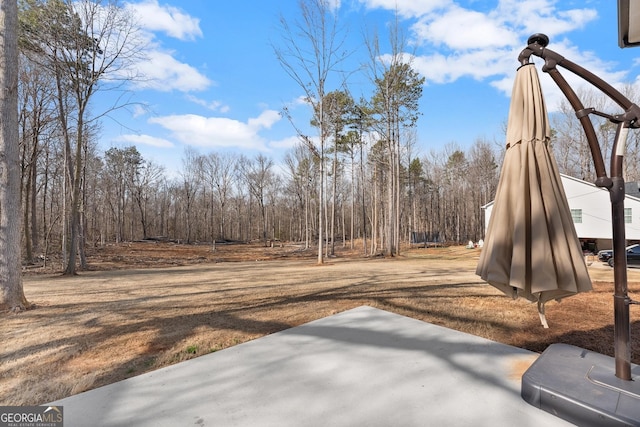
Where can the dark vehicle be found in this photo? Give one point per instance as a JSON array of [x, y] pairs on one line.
[[606, 255], [633, 256]]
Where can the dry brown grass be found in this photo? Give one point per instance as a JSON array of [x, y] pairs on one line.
[[151, 305]]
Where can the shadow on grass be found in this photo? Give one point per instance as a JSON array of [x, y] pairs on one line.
[[204, 305], [599, 340]]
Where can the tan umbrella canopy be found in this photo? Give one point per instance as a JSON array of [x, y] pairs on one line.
[[531, 249]]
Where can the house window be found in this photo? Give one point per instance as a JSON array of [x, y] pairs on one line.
[[576, 215], [627, 216]]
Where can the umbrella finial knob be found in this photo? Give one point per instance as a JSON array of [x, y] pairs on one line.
[[539, 38]]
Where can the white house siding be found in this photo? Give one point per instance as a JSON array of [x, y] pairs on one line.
[[595, 205]]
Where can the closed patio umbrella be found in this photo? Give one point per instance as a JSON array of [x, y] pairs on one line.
[[568, 381], [531, 248]]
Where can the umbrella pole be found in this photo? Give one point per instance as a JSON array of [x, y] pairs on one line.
[[621, 300], [615, 186]]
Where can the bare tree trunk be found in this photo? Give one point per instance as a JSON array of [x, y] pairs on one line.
[[353, 197], [12, 294], [333, 203], [28, 242], [374, 206], [312, 50], [306, 214], [364, 210], [325, 208], [344, 228], [82, 224], [34, 214], [389, 220], [398, 193], [321, 205], [74, 240]]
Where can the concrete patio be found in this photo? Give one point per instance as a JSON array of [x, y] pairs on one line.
[[362, 367]]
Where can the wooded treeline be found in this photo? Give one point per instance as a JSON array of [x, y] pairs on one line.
[[365, 182], [221, 196]]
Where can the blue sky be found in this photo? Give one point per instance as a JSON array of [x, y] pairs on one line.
[[213, 82]]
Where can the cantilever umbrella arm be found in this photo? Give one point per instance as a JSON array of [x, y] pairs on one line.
[[630, 118]]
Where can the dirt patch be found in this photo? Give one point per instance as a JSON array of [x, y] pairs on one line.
[[149, 305]]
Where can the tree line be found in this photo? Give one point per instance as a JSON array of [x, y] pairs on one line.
[[221, 197], [360, 181]]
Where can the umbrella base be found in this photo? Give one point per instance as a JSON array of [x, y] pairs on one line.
[[580, 386]]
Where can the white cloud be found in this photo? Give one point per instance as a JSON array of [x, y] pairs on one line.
[[145, 140], [211, 105], [168, 19], [463, 29], [301, 100], [478, 64], [285, 143], [139, 111], [295, 103], [159, 69], [407, 8], [461, 42], [212, 132], [535, 16], [164, 73], [265, 120]]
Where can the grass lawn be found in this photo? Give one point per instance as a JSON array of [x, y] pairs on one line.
[[149, 305]]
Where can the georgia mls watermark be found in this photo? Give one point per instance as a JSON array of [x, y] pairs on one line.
[[31, 416]]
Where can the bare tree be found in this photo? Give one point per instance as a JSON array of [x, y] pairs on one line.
[[395, 105], [312, 49], [338, 106], [220, 174], [569, 142], [82, 43], [189, 187], [483, 177], [145, 181], [352, 139], [121, 168], [11, 290], [361, 122], [259, 178], [36, 119], [300, 164], [632, 153]]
